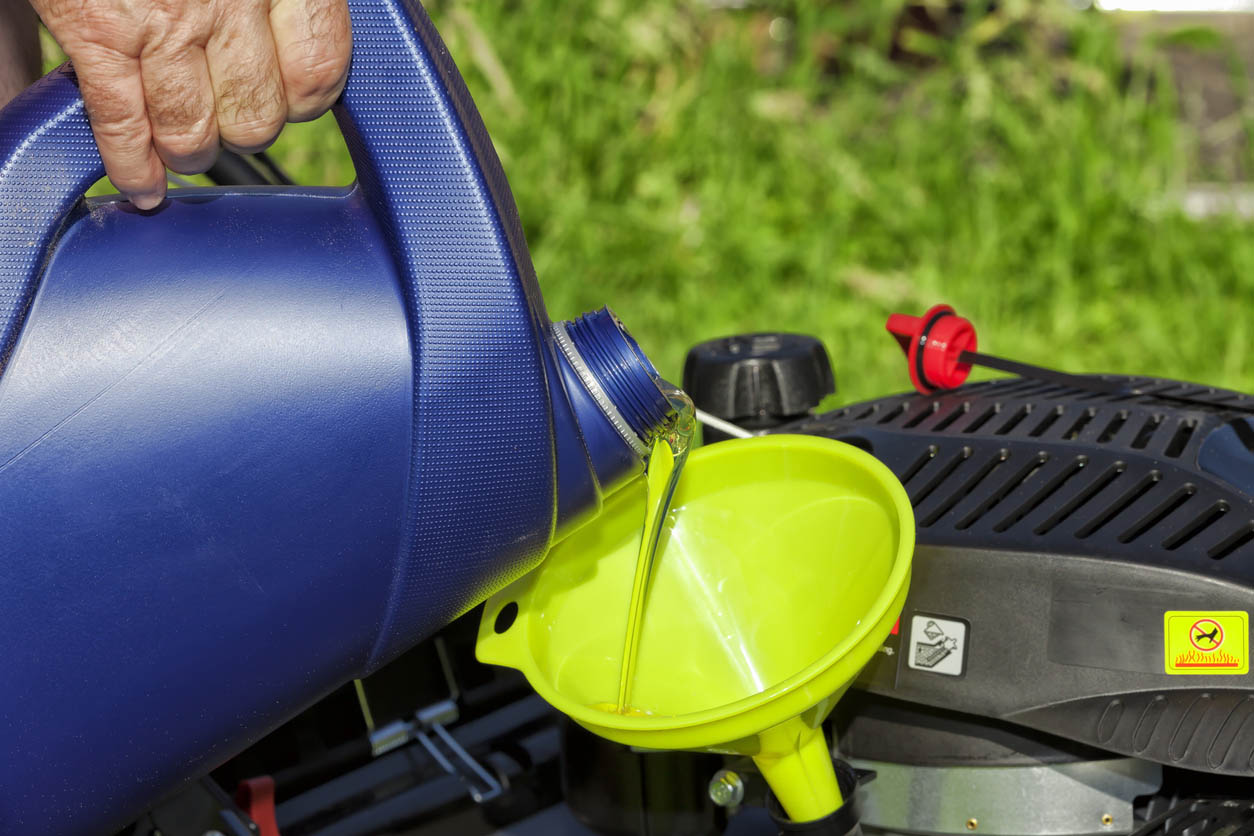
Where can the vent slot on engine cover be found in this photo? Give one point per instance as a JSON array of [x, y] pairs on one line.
[[1026, 464]]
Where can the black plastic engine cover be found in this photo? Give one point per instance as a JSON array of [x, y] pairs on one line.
[[1055, 528], [1203, 817]]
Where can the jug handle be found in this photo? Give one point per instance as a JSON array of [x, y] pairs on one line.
[[423, 160]]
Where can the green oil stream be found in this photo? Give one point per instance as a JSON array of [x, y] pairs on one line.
[[662, 472]]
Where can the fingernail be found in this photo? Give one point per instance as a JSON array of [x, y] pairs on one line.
[[147, 201]]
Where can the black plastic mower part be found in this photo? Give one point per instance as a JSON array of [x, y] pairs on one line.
[[1055, 528], [874, 728], [844, 821], [758, 380], [272, 168], [199, 808], [618, 792], [1203, 817], [231, 169]]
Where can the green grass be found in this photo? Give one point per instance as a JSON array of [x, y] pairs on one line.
[[707, 171]]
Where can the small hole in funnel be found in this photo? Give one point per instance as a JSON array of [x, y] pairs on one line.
[[506, 617]]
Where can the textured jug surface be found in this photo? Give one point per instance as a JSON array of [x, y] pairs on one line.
[[259, 442], [204, 474]]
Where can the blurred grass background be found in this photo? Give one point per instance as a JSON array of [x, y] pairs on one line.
[[708, 168]]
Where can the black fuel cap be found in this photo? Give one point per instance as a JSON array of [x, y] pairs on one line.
[[759, 380]]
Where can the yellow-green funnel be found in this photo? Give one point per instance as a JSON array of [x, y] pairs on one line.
[[783, 568]]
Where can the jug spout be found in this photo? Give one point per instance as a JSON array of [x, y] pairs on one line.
[[611, 404]]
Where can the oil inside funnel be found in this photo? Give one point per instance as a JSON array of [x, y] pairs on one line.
[[781, 569]]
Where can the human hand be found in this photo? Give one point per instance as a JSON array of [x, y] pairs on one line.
[[168, 81]]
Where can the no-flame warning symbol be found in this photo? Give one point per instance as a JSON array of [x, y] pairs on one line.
[[1206, 642]]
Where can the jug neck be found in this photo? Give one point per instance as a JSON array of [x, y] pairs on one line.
[[616, 373], [614, 404]]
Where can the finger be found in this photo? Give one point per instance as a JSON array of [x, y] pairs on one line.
[[314, 43], [247, 85], [180, 102], [114, 96]]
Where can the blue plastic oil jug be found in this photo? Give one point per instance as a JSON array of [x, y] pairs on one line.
[[260, 441]]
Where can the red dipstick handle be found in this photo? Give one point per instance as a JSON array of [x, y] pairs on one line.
[[940, 351], [934, 344]]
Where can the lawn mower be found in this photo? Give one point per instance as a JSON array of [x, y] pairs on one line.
[[1071, 658]]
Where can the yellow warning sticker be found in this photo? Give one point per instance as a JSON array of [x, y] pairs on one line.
[[1206, 642]]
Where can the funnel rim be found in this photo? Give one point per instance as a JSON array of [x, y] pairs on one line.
[[899, 574]]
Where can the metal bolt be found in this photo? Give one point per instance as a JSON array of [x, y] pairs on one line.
[[972, 823], [1107, 819], [727, 789]]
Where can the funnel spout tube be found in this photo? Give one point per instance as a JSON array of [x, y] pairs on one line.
[[797, 764]]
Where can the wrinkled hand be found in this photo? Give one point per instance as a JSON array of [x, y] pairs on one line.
[[168, 81]]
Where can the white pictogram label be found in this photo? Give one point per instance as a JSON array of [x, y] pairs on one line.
[[938, 645]]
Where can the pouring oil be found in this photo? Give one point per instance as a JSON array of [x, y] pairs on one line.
[[666, 462]]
